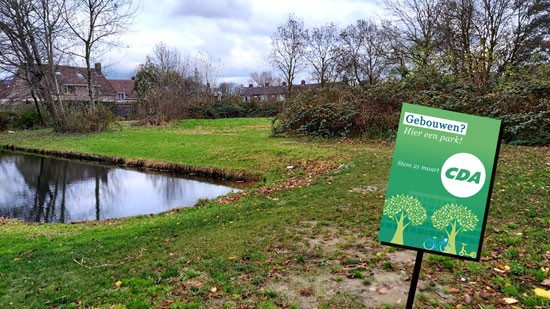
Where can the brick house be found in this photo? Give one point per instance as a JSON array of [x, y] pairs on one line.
[[272, 93], [126, 97], [72, 82], [263, 94], [124, 89]]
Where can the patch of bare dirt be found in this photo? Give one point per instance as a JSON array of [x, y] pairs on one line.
[[343, 270], [310, 291]]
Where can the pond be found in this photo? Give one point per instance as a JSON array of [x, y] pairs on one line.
[[43, 189]]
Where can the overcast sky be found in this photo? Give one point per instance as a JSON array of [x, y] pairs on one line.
[[237, 32]]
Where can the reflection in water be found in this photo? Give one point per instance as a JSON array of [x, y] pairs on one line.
[[42, 189]]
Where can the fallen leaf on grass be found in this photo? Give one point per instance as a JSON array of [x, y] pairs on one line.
[[542, 293], [193, 284], [510, 300], [546, 282], [502, 268], [118, 284]]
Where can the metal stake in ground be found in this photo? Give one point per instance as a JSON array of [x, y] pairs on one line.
[[414, 279]]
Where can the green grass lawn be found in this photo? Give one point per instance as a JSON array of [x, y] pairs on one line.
[[230, 144], [303, 237]]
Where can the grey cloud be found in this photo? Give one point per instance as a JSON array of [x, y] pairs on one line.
[[229, 9]]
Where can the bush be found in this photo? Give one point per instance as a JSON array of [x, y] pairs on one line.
[[325, 112], [261, 109], [232, 107], [19, 120], [520, 100], [227, 110], [79, 119], [379, 110], [28, 119], [7, 120]]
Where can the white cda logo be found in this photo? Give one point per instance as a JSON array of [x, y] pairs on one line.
[[463, 175]]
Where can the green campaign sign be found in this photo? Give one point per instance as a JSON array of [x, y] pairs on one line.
[[440, 181]]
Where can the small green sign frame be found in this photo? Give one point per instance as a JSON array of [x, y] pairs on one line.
[[440, 182]]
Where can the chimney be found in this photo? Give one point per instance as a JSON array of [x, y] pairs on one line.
[[98, 68], [133, 78], [284, 84], [250, 85], [303, 82]]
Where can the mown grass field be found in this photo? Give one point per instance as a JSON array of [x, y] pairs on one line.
[[302, 238]]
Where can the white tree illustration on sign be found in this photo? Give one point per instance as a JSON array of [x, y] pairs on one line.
[[405, 210], [458, 217]]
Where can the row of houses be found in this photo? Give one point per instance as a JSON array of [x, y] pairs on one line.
[[267, 92], [73, 86]]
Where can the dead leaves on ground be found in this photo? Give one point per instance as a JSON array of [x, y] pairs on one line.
[[302, 174]]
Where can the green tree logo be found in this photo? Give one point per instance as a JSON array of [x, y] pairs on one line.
[[401, 208], [458, 217]]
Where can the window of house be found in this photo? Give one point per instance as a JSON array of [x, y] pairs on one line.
[[121, 95], [70, 89], [95, 90]]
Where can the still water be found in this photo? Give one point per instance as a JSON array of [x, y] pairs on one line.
[[43, 189]]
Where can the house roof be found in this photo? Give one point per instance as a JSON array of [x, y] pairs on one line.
[[275, 90], [269, 90], [66, 75], [69, 75], [126, 86]]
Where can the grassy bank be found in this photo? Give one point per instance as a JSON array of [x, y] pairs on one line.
[[230, 145], [304, 238]]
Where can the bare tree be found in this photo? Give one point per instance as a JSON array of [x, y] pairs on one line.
[[170, 59], [49, 13], [395, 50], [322, 53], [418, 22], [288, 49], [229, 88], [164, 84], [528, 40], [20, 52], [264, 78], [208, 68], [95, 23], [483, 37], [29, 31], [458, 28], [476, 40], [363, 52], [490, 28]]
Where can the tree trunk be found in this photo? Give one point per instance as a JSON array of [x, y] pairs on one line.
[[452, 240], [398, 236]]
